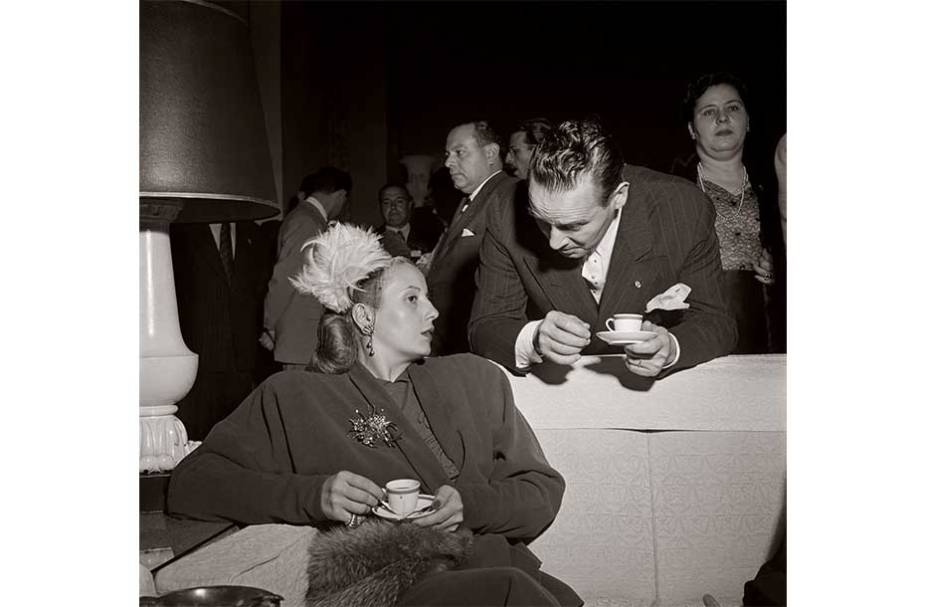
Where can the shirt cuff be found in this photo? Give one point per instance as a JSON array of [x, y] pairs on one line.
[[676, 359], [525, 354]]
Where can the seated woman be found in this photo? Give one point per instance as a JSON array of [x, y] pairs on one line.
[[315, 447]]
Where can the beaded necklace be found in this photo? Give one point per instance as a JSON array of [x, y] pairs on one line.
[[743, 188]]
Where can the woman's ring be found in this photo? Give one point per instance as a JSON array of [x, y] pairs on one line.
[[354, 523]]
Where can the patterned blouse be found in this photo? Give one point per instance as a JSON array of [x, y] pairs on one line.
[[738, 229]]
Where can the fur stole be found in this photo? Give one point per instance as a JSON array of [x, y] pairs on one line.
[[376, 563]]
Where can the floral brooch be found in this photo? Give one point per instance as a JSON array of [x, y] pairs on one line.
[[372, 428]]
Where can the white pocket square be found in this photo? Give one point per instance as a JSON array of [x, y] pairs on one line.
[[673, 298], [466, 232]]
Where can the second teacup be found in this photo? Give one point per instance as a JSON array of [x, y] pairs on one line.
[[402, 495], [622, 323]]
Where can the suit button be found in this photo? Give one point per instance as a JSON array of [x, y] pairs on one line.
[[637, 284]]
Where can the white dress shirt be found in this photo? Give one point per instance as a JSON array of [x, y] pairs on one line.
[[595, 268]]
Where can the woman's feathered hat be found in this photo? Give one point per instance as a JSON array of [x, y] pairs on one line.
[[337, 261]]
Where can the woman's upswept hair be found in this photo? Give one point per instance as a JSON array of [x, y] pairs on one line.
[[573, 149], [339, 337]]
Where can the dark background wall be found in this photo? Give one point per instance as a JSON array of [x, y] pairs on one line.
[[364, 83]]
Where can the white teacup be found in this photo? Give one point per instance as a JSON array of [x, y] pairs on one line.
[[622, 323], [402, 495]]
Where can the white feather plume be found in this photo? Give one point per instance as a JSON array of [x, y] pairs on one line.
[[337, 261]]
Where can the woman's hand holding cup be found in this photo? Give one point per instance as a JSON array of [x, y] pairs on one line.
[[448, 514], [349, 497]]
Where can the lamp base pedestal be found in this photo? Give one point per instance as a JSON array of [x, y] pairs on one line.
[[162, 438]]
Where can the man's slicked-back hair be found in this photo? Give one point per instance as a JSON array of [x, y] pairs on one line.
[[575, 148], [485, 134], [326, 180]]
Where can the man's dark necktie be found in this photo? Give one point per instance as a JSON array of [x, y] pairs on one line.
[[463, 204], [225, 249]]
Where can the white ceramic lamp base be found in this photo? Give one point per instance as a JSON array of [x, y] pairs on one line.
[[167, 368]]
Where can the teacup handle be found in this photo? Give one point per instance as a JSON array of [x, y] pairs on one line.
[[609, 323]]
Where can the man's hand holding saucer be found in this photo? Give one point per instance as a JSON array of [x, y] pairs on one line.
[[649, 357]]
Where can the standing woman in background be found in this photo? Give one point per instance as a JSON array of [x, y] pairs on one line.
[[747, 220]]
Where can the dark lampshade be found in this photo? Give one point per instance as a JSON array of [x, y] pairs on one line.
[[203, 156], [202, 137]]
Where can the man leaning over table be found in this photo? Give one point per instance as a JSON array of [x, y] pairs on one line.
[[598, 237]]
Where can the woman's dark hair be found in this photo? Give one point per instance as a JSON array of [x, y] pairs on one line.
[[700, 84], [339, 337]]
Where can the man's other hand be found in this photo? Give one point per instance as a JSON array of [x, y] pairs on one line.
[[560, 337]]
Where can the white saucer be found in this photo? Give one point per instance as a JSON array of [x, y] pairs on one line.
[[424, 501], [620, 338]]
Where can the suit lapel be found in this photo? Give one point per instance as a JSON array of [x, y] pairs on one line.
[[562, 282], [459, 220], [439, 413], [463, 218], [627, 279], [444, 242]]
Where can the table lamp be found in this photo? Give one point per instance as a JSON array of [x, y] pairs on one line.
[[203, 157]]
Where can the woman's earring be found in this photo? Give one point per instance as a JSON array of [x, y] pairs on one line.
[[368, 331], [369, 345]]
